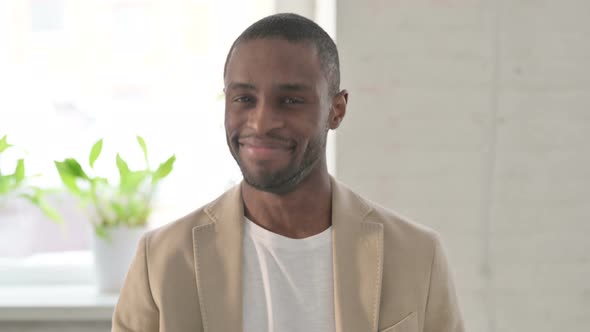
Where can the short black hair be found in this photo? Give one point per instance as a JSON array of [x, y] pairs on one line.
[[296, 28]]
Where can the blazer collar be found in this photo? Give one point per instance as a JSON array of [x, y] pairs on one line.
[[218, 263], [357, 262]]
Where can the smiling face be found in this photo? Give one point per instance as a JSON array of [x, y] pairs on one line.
[[277, 112]]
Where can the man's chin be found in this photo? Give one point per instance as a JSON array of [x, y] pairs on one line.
[[262, 183], [272, 183]]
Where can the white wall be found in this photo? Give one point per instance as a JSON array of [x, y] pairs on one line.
[[473, 117]]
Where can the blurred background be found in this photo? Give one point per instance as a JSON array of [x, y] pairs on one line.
[[471, 117]]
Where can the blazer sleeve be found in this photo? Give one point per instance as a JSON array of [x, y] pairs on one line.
[[442, 308], [136, 310]]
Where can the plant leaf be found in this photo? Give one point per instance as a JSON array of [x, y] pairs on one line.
[[132, 182], [95, 152], [19, 172], [49, 211], [102, 232], [38, 199], [5, 181], [67, 178], [119, 210], [71, 167], [71, 184], [4, 144], [136, 210], [100, 180], [143, 146], [29, 197], [163, 170], [122, 166], [123, 169]]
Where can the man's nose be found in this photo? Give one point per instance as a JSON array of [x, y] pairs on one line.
[[264, 118]]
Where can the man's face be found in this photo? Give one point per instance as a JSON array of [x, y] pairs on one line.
[[276, 112]]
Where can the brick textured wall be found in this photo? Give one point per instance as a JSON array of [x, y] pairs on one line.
[[473, 117]]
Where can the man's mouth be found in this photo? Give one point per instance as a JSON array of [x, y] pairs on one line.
[[265, 149]]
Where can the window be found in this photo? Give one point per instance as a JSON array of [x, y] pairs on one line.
[[76, 71]]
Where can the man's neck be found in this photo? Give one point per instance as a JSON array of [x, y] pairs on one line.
[[304, 212]]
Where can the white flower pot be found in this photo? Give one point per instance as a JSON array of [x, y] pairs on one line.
[[112, 257]]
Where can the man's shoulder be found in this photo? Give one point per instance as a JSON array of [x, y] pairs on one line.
[[179, 227], [403, 237], [400, 231], [178, 232], [399, 224]]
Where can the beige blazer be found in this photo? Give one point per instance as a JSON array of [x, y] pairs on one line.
[[390, 275]]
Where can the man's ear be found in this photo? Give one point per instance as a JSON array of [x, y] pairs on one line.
[[338, 109]]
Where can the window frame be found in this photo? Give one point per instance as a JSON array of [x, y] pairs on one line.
[[77, 268]]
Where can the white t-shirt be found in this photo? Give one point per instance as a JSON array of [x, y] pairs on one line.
[[288, 284]]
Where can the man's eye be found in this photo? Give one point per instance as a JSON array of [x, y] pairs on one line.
[[243, 99], [290, 100]]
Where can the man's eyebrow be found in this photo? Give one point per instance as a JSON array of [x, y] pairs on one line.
[[294, 87], [240, 85]]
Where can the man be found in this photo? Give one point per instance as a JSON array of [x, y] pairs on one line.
[[290, 248]]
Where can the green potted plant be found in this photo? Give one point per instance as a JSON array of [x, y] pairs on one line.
[[15, 185], [119, 211]]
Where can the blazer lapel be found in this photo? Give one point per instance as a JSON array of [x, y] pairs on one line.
[[218, 263], [357, 262]]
